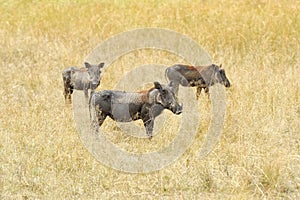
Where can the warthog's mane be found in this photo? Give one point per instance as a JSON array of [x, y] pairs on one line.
[[82, 69]]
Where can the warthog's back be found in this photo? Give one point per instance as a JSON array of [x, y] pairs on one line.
[[122, 97]]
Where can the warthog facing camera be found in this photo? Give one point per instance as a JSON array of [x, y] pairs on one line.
[[84, 79]]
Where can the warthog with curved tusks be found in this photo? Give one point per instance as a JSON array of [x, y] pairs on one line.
[[196, 76], [84, 79], [126, 106]]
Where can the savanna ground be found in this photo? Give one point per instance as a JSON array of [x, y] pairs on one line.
[[258, 155]]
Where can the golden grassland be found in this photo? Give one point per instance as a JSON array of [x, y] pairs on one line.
[[258, 155]]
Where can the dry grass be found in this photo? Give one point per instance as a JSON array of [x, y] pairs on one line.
[[257, 42]]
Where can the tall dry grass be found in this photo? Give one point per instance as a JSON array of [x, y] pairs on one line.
[[257, 42]]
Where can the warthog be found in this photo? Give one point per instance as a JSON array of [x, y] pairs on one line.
[[126, 107], [84, 79], [196, 76]]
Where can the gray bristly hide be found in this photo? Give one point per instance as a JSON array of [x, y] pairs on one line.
[[84, 79], [130, 106], [196, 76]]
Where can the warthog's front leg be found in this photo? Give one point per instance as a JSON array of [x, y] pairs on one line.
[[206, 90], [92, 92], [149, 123], [86, 94]]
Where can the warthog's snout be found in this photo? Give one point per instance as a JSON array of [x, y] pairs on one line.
[[179, 111], [227, 83], [176, 109], [94, 84]]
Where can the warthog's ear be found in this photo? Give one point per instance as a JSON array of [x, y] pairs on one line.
[[100, 65], [87, 65], [220, 65], [157, 85]]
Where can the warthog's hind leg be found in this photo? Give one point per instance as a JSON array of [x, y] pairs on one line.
[[68, 90], [207, 91], [198, 92], [97, 119]]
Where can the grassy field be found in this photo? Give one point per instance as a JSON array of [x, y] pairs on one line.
[[258, 43]]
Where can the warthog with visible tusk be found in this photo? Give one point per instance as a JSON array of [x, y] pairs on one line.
[[126, 106]]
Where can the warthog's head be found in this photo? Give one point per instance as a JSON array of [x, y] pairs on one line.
[[94, 72], [224, 78], [167, 98], [221, 77]]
